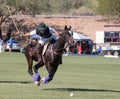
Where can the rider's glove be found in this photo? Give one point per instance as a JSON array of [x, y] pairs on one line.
[[52, 40]]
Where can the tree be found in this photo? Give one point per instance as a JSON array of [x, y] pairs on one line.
[[3, 14], [110, 8], [38, 6]]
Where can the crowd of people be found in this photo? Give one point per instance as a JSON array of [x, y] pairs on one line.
[[2, 43], [97, 49], [6, 41]]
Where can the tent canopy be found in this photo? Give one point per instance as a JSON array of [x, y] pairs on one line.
[[78, 36]]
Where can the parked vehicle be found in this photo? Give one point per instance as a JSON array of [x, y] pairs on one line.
[[15, 46]]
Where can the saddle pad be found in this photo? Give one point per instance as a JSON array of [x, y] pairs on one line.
[[45, 48]]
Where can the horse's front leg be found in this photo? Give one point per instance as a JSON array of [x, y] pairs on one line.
[[30, 63], [30, 70], [51, 70], [37, 76]]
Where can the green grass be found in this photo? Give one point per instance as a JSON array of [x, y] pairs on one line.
[[86, 76]]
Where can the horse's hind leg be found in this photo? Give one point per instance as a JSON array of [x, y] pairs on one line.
[[51, 70]]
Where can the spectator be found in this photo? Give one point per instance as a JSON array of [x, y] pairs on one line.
[[10, 41], [99, 49], [94, 50], [1, 43], [0, 33], [79, 49]]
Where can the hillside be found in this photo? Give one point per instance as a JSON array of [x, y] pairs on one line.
[[82, 24]]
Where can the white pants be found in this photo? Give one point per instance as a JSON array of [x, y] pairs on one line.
[[42, 40]]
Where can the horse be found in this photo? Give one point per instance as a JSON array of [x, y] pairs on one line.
[[51, 58]]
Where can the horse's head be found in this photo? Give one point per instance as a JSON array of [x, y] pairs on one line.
[[67, 35], [67, 28], [70, 33]]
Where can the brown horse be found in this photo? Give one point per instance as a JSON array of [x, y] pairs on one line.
[[51, 58]]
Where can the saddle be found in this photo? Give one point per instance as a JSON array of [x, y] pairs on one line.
[[45, 47]]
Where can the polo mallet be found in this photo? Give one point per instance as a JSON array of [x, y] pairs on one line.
[[12, 19]]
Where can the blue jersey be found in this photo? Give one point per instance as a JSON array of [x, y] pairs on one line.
[[10, 41]]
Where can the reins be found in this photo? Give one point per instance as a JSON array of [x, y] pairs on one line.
[[55, 50]]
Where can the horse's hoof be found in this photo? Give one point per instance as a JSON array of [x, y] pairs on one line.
[[44, 80], [37, 83]]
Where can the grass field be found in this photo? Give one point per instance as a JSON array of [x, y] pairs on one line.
[[87, 77]]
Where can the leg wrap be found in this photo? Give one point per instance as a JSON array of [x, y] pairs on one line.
[[36, 77], [46, 80]]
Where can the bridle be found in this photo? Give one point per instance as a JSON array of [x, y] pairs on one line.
[[70, 33], [67, 43]]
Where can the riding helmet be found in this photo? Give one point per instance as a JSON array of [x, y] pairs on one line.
[[41, 26]]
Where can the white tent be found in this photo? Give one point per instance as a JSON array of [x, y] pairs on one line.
[[78, 36]]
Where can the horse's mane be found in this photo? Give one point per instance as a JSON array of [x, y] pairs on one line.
[[58, 46]]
